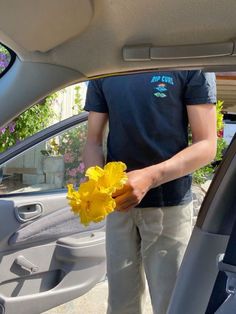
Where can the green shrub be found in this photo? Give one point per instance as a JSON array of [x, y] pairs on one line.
[[201, 175], [28, 123]]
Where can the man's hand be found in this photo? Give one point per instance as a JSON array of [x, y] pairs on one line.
[[139, 183]]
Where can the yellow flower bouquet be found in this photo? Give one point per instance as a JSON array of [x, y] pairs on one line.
[[93, 200]]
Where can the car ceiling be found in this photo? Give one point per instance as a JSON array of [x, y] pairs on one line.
[[59, 42]]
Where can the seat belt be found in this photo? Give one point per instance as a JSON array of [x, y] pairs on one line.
[[223, 297]]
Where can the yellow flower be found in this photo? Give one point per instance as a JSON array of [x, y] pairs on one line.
[[74, 198], [93, 205], [93, 201], [109, 179]]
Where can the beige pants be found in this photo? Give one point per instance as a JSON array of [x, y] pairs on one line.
[[153, 239]]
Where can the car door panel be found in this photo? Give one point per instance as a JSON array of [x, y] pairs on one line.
[[47, 257], [43, 258], [52, 225]]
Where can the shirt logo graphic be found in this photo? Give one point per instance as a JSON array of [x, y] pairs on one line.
[[162, 86]]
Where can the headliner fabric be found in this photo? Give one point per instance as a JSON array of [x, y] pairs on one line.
[[42, 25]]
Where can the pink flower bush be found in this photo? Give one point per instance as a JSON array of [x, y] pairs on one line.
[[71, 148], [81, 168], [72, 172], [4, 61], [69, 158]]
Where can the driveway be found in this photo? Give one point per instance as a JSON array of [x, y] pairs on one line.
[[93, 302]]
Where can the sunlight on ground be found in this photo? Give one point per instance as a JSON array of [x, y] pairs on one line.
[[93, 302]]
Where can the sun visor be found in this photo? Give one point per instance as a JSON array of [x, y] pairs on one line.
[[40, 25], [148, 52]]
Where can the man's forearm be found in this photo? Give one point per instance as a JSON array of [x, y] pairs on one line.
[[142, 180], [93, 155], [187, 161]]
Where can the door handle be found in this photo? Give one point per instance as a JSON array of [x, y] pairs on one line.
[[26, 264], [28, 212]]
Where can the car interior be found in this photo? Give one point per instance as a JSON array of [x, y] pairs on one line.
[[46, 257]]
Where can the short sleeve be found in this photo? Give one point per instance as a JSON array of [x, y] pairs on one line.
[[95, 99], [200, 88]]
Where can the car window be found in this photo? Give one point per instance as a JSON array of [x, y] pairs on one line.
[[68, 102], [50, 165], [6, 56], [52, 109]]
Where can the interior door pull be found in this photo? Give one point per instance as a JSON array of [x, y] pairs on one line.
[[25, 264], [28, 212]]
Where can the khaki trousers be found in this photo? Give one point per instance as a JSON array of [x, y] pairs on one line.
[[150, 240]]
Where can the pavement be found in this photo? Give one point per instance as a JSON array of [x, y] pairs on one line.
[[93, 302]]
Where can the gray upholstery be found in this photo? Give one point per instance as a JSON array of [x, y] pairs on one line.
[[52, 226]]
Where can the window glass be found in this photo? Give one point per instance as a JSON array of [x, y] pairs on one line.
[[50, 165], [54, 108], [70, 101], [5, 58]]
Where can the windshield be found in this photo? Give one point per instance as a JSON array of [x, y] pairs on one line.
[[5, 58]]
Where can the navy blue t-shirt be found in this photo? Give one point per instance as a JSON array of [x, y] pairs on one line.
[[148, 121]]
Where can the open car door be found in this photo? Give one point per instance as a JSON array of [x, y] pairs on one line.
[[47, 257], [203, 258]]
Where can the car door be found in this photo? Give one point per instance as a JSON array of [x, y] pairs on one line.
[[209, 239], [47, 257]]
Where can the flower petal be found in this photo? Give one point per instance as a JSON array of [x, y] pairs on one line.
[[94, 173], [115, 177], [101, 205], [86, 189]]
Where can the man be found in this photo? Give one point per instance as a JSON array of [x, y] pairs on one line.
[[148, 117]]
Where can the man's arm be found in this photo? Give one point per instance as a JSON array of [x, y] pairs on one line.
[[93, 150], [202, 119]]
